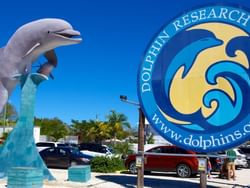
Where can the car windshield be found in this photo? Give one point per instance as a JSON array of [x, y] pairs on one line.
[[75, 151], [61, 145], [245, 150], [240, 151]]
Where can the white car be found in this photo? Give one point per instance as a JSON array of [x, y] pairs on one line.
[[95, 150], [43, 145], [96, 154], [241, 160]]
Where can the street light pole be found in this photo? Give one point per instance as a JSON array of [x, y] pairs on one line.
[[140, 151]]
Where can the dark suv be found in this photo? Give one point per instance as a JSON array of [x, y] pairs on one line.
[[183, 165], [64, 157]]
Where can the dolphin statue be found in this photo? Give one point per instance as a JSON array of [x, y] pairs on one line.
[[26, 45]]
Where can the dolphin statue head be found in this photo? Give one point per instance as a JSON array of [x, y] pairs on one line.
[[31, 40], [40, 36]]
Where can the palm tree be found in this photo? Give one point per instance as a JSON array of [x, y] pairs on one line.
[[99, 130], [82, 129], [117, 122], [123, 149], [10, 115]]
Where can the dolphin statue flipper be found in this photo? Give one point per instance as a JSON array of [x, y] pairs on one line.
[[31, 40]]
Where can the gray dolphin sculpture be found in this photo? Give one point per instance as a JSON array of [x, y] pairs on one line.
[[26, 45]]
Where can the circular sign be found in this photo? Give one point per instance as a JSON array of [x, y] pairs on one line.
[[193, 83]]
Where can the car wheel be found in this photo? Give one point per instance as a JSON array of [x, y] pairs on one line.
[[248, 162], [132, 168], [147, 172], [183, 171]]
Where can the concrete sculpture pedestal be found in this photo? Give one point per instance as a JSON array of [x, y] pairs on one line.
[[19, 149]]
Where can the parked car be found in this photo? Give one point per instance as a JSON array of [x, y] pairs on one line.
[[241, 159], [94, 149], [246, 151], [43, 145], [217, 160], [68, 145], [64, 157], [184, 166]]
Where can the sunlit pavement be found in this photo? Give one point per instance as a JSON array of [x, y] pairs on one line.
[[155, 180]]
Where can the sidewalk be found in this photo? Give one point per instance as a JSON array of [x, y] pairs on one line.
[[155, 180]]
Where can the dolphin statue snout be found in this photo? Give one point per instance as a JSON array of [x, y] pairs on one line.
[[69, 35]]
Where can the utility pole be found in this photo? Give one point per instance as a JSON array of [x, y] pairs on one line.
[[140, 151], [140, 169]]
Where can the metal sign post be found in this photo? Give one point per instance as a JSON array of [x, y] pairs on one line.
[[203, 172]]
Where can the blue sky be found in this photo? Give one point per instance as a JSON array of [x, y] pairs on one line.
[[91, 76]]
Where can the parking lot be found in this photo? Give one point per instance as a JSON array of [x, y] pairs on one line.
[[155, 180]]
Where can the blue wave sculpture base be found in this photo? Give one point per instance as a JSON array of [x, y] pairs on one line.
[[19, 150]]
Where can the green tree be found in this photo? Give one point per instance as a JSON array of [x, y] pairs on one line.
[[4, 137], [116, 127], [150, 139], [123, 149], [82, 130], [10, 116], [53, 128], [117, 123], [90, 131], [100, 130]]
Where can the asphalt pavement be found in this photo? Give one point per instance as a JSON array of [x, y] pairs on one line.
[[154, 180]]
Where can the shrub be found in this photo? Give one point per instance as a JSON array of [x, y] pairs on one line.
[[123, 149], [107, 164]]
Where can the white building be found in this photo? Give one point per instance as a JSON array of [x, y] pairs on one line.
[[36, 132]]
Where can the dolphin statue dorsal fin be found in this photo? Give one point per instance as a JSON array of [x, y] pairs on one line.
[[32, 49]]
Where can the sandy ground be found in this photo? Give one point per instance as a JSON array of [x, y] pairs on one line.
[[155, 180]]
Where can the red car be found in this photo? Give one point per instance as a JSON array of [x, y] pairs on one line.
[[184, 166]]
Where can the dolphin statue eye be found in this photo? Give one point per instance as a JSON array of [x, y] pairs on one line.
[[48, 31]]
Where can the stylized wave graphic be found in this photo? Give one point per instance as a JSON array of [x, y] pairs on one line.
[[180, 55], [239, 79]]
